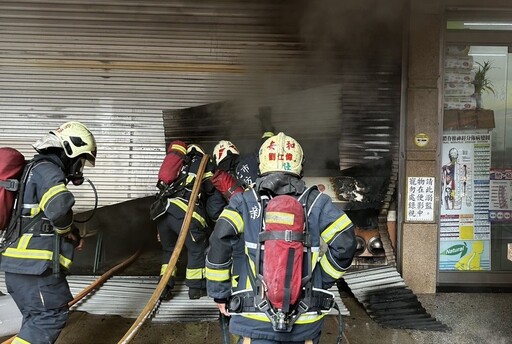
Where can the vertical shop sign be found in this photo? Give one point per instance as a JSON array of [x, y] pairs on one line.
[[420, 199], [464, 214], [500, 199]]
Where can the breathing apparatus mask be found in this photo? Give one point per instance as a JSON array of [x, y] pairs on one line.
[[75, 170]]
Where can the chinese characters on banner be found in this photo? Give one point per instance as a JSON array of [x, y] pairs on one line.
[[500, 200], [464, 214], [420, 199]]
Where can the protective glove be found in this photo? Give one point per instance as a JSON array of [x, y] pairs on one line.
[[75, 238]]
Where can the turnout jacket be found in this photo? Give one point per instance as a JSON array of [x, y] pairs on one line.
[[330, 228], [178, 203], [245, 170], [45, 191]]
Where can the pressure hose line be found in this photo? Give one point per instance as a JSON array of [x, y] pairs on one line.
[[95, 202]]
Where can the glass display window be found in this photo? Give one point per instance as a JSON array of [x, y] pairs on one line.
[[475, 225]]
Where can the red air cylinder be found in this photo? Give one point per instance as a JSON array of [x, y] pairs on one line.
[[283, 258], [173, 162], [12, 163]]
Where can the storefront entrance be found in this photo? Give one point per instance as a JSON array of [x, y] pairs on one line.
[[475, 215]]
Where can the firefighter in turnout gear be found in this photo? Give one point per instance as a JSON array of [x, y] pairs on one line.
[[236, 172], [242, 168], [328, 237], [35, 280], [169, 224]]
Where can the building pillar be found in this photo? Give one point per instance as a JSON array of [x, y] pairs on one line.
[[419, 240]]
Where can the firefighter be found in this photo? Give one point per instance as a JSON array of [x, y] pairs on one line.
[[169, 225], [36, 282], [235, 172], [281, 160], [244, 168]]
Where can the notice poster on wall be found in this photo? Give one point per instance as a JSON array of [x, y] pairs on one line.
[[500, 199], [420, 199], [464, 214]]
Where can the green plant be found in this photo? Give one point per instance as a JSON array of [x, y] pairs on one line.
[[482, 82]]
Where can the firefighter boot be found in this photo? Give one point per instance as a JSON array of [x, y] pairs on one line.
[[166, 293], [196, 293]]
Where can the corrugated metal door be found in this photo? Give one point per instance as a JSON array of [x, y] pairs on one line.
[[115, 65]]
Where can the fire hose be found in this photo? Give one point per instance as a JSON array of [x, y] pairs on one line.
[[96, 284], [150, 306]]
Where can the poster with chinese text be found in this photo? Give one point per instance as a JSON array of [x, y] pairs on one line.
[[420, 199]]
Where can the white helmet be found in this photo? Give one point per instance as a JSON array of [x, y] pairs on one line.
[[281, 153], [74, 138], [221, 150]]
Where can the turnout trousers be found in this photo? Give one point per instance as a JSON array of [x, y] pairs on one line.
[[42, 300], [169, 226]]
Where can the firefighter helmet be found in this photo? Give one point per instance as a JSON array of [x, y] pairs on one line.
[[223, 149], [195, 148], [281, 153], [74, 138], [77, 140]]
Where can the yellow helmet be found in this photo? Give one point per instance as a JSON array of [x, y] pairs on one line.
[[194, 147], [77, 140], [221, 150], [281, 153]]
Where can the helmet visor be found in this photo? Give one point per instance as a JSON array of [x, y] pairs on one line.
[[90, 158]]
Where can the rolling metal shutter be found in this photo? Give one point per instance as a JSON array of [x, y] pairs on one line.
[[115, 65]]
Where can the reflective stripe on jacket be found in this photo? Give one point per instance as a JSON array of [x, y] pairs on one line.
[[178, 205], [33, 255]]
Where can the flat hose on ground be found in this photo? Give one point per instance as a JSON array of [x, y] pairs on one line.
[[150, 306], [96, 284]]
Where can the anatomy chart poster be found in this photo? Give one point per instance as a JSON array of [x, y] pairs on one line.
[[464, 213], [457, 182]]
